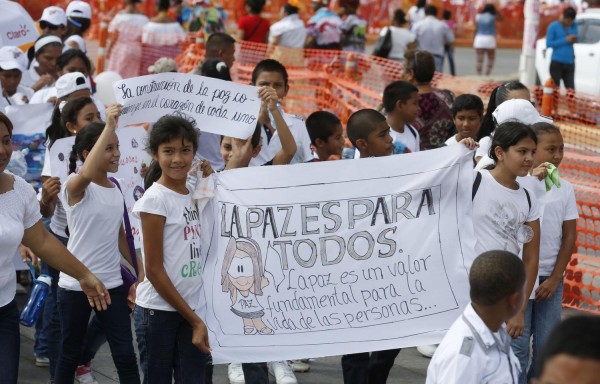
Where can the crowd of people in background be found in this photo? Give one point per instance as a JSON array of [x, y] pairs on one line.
[[515, 293]]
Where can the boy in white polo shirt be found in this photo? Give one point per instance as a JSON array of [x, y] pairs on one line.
[[477, 348]]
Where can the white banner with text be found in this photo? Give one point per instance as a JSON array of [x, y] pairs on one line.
[[337, 257]]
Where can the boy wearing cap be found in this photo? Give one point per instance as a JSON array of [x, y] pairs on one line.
[[518, 110], [11, 73], [53, 21]]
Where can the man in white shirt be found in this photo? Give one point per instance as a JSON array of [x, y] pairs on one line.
[[433, 35]]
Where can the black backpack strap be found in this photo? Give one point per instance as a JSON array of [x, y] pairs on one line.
[[528, 198], [476, 184], [412, 130]]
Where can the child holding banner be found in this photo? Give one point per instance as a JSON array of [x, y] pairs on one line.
[[172, 339], [92, 201], [369, 132], [558, 235], [506, 215], [467, 112], [238, 154], [476, 348]]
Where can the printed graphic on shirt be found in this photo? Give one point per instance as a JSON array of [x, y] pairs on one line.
[[507, 220], [191, 235]]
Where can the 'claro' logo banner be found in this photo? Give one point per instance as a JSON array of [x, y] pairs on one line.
[[337, 257]]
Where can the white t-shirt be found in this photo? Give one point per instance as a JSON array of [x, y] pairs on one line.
[[270, 148], [556, 206], [410, 137], [292, 31], [94, 224], [416, 14], [181, 245], [209, 148], [499, 214], [19, 210], [452, 141], [401, 37]]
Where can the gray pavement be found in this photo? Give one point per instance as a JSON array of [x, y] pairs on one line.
[[410, 367]]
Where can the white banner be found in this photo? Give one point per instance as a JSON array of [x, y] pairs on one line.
[[220, 107], [131, 143], [337, 257]]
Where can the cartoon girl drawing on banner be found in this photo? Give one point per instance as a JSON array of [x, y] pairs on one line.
[[243, 277]]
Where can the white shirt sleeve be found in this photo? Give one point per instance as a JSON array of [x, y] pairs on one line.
[[455, 369], [152, 202], [534, 211], [32, 210]]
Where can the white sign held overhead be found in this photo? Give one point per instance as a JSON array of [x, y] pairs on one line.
[[337, 257], [217, 106]]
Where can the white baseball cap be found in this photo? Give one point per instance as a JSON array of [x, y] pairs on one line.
[[54, 15], [12, 58], [519, 110], [162, 65], [78, 8], [71, 82]]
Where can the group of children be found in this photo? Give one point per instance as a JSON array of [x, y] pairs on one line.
[[513, 214]]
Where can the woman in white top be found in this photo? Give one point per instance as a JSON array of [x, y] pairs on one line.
[[42, 71], [20, 223], [506, 215], [161, 37], [172, 339], [125, 53], [402, 39], [94, 207]]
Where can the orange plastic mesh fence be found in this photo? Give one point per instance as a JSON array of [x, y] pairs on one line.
[[343, 82]]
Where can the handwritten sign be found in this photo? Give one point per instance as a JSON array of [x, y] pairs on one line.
[[131, 141], [337, 257], [220, 107]]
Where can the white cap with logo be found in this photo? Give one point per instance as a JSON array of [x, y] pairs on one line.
[[12, 58], [54, 15]]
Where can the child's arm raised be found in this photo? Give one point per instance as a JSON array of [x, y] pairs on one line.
[[531, 259], [153, 229], [288, 144], [89, 170]]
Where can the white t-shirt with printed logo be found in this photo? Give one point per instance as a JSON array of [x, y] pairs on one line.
[[181, 245], [94, 224], [499, 214]]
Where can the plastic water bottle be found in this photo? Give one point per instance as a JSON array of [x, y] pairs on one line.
[[41, 288], [272, 119]]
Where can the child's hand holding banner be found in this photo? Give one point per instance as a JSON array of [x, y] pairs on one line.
[[220, 107]]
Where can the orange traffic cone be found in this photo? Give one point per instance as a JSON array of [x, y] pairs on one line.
[[351, 67], [548, 97]]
